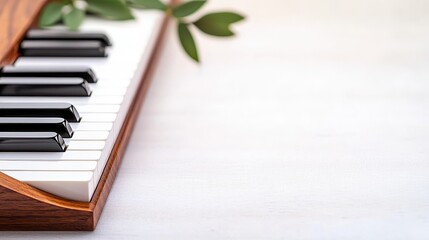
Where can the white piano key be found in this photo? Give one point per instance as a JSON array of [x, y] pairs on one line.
[[49, 156], [85, 145], [114, 82], [61, 61], [74, 185], [90, 135], [97, 108], [91, 126], [109, 100], [106, 86], [109, 91], [110, 141], [98, 117], [48, 165], [98, 65]]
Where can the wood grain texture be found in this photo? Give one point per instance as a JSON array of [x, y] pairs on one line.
[[23, 207], [16, 16]]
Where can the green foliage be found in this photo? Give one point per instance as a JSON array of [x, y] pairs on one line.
[[215, 24], [187, 8], [149, 4], [187, 41], [111, 9], [74, 18], [51, 14], [218, 24]]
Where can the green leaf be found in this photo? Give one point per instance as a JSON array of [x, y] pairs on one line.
[[51, 14], [149, 4], [218, 23], [74, 18], [187, 41], [188, 8], [112, 9]]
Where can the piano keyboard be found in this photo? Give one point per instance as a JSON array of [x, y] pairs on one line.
[[58, 130]]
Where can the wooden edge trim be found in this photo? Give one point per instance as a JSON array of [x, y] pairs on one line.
[[18, 16], [24, 189]]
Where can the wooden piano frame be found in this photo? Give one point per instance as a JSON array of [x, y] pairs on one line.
[[23, 207]]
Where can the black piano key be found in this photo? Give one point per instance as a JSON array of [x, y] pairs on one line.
[[58, 110], [49, 72], [31, 142], [58, 125], [37, 34], [74, 87], [55, 48]]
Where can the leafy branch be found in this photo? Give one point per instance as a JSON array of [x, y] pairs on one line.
[[72, 13]]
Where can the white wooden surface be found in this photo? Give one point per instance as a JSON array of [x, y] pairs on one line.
[[312, 124]]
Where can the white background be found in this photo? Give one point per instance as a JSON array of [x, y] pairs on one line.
[[311, 124]]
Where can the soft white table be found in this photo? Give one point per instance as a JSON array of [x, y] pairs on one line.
[[312, 124]]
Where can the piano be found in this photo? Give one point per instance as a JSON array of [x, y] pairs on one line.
[[68, 101]]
